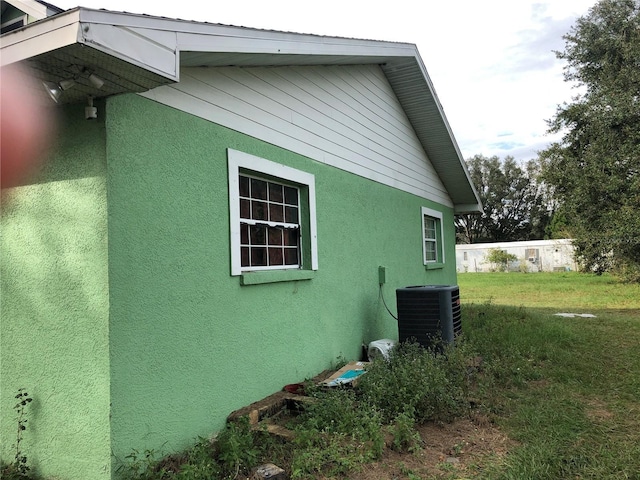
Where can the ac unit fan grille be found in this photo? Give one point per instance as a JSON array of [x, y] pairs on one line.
[[456, 312], [429, 313]]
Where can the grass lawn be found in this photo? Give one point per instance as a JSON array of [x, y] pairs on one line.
[[555, 291], [571, 390]]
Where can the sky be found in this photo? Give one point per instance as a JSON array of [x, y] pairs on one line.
[[492, 62]]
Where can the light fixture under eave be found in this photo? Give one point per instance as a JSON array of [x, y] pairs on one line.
[[54, 90], [96, 81], [67, 84], [90, 112]]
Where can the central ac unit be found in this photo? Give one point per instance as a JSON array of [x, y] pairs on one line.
[[429, 313]]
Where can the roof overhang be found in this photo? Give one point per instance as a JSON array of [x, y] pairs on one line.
[[136, 53]]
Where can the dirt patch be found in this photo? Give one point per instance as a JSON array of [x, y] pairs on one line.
[[598, 411], [460, 447], [463, 447]]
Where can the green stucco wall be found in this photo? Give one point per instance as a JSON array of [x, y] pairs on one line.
[[54, 307], [188, 343]]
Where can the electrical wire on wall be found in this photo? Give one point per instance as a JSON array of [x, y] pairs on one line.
[[385, 304]]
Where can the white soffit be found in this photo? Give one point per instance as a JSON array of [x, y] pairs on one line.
[[97, 29]]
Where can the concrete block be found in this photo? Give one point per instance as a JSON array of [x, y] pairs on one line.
[[269, 471]]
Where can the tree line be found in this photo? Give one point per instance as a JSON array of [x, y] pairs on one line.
[[516, 204], [586, 186]]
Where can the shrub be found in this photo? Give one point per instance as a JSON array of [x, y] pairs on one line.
[[424, 384], [405, 436], [336, 433], [500, 259], [342, 429], [235, 447]]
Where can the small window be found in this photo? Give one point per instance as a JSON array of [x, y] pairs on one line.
[[13, 24], [272, 215], [532, 254], [432, 237]]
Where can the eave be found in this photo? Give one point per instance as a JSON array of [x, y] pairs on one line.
[[137, 53]]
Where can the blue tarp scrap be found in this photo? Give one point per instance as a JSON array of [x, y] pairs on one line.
[[355, 369]]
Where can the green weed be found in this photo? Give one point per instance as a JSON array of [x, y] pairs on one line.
[[409, 473], [19, 468], [405, 436], [235, 447], [420, 383], [142, 466], [336, 433]]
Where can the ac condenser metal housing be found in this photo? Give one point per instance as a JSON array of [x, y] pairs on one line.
[[429, 314]]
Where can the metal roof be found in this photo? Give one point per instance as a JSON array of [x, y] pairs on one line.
[[136, 53]]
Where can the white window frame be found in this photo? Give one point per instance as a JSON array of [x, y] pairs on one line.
[[439, 241], [238, 160]]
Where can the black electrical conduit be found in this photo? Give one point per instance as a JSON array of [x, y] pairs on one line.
[[385, 304]]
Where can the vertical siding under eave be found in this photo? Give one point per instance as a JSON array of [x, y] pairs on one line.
[[344, 116]]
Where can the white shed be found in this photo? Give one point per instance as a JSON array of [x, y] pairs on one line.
[[533, 256]]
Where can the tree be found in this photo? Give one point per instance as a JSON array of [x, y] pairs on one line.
[[594, 169], [501, 259], [513, 201]]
